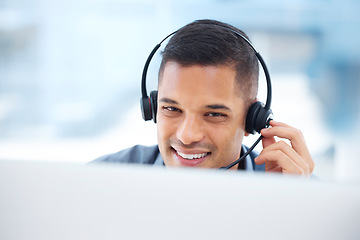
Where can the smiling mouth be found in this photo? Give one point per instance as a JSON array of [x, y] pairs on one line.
[[193, 157]]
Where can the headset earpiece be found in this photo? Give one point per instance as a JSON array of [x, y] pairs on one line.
[[146, 108], [153, 100], [257, 118], [149, 106]]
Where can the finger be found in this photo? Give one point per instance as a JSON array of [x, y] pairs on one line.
[[296, 138], [286, 163], [290, 152], [285, 131], [275, 123], [272, 167], [267, 141]]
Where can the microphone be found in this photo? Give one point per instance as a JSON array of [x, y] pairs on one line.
[[243, 156]]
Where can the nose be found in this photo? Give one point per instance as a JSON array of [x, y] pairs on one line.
[[190, 130]]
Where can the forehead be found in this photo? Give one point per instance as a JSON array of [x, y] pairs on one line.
[[198, 83]]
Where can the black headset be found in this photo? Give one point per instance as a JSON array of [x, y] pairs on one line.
[[258, 115]]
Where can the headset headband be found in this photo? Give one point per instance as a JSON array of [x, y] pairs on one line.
[[257, 54]]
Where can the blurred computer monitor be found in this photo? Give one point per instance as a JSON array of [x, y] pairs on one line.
[[71, 201]]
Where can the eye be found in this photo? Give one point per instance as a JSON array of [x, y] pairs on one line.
[[171, 109], [215, 114], [216, 117]]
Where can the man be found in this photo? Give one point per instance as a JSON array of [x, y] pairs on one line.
[[208, 79]]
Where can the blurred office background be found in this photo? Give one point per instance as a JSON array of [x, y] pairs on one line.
[[70, 73]]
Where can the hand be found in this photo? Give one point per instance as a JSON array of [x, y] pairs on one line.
[[281, 157]]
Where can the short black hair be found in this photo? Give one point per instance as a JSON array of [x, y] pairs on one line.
[[211, 43]]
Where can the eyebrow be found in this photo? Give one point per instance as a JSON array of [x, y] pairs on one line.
[[168, 100], [218, 106], [211, 106]]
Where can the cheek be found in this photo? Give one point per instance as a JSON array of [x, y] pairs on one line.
[[165, 129], [227, 137], [228, 141], [160, 129]]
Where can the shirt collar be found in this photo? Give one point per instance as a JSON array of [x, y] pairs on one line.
[[159, 161]]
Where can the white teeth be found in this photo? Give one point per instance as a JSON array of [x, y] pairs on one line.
[[192, 156]]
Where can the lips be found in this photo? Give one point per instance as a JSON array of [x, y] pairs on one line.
[[190, 158]]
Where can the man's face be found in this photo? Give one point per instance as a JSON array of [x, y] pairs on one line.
[[200, 119]]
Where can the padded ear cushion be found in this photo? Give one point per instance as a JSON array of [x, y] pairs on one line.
[[251, 117], [153, 100], [257, 118], [263, 118], [145, 105]]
